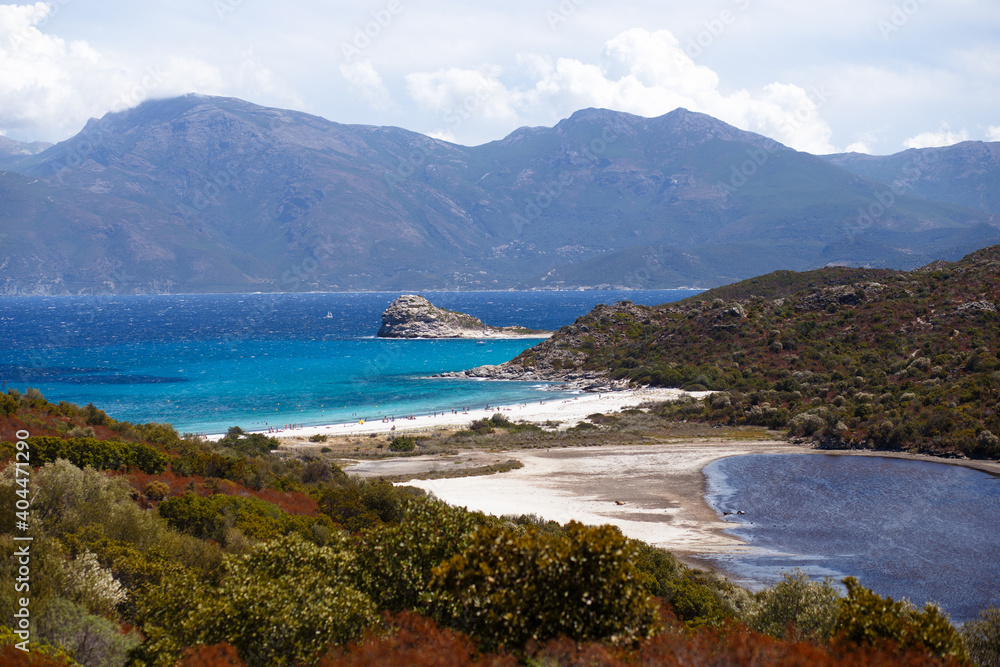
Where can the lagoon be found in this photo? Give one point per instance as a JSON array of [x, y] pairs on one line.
[[914, 529]]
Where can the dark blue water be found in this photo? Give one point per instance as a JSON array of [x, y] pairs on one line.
[[207, 362], [923, 531]]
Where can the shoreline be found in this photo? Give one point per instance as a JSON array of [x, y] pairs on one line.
[[474, 335], [566, 411], [653, 492]]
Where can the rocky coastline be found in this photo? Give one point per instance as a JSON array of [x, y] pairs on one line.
[[413, 316], [561, 359], [591, 381]]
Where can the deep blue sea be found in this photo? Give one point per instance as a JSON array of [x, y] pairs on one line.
[[207, 362], [924, 531]]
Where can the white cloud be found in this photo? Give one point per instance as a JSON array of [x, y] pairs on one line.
[[253, 74], [641, 72], [463, 94], [943, 137], [71, 62], [858, 147], [47, 82], [993, 133], [365, 82], [44, 78]]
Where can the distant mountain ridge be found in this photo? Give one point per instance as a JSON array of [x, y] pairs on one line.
[[12, 151], [206, 194], [967, 174]]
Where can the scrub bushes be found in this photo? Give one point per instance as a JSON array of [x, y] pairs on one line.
[[868, 618], [98, 454], [282, 603], [796, 608], [982, 637], [506, 589], [396, 560], [211, 517], [403, 443]]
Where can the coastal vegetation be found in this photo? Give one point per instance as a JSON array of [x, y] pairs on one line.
[[403, 443], [848, 358], [233, 554]]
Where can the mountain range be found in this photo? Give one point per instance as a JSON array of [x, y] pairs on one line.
[[209, 194]]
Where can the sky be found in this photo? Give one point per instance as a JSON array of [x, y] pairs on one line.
[[823, 76]]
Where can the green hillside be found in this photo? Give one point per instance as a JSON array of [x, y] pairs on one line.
[[149, 548], [850, 357]]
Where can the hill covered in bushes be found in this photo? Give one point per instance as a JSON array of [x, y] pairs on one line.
[[232, 554], [850, 357]]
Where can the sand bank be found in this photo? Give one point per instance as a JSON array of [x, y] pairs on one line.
[[653, 493], [566, 412]]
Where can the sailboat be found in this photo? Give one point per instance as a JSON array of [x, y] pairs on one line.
[[328, 316]]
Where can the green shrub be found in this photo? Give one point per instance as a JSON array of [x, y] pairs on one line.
[[868, 618], [95, 416], [99, 454], [213, 517], [8, 405], [500, 420], [283, 603], [507, 588], [68, 499], [795, 607], [659, 570], [247, 444], [403, 443], [42, 652], [156, 490], [703, 598], [695, 604], [982, 638], [91, 639], [364, 504], [136, 569], [48, 574], [481, 426], [396, 559], [318, 437]]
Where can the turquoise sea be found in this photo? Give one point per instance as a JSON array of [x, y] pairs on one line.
[[207, 362]]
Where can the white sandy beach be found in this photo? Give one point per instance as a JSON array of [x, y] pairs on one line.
[[653, 493], [567, 412]]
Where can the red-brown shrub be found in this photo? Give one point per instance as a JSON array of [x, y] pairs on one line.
[[415, 641], [291, 502], [217, 655]]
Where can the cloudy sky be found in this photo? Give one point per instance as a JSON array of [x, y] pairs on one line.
[[824, 76]]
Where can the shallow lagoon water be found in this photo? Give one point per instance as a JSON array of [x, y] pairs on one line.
[[914, 529]]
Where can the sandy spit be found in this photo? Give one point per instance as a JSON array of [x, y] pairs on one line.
[[653, 493], [567, 412]]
